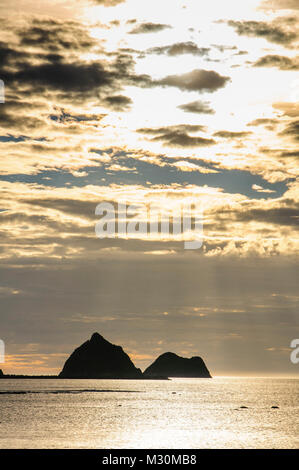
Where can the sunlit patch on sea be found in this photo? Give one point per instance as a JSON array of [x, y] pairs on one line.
[[179, 413]]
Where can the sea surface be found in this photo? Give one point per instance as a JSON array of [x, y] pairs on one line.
[[176, 414]]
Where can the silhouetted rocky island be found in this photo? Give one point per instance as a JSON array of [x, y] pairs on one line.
[[1, 373], [171, 365], [99, 359]]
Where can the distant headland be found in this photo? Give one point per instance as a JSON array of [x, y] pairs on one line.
[[97, 358]]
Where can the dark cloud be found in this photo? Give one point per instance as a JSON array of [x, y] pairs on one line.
[[199, 107], [40, 220], [280, 153], [231, 134], [292, 130], [69, 77], [182, 139], [49, 61], [75, 207], [241, 53], [223, 48], [118, 102], [15, 58], [16, 114], [269, 124], [109, 3], [197, 80], [278, 216], [63, 76], [182, 127], [8, 55], [178, 136], [180, 48], [281, 62], [54, 35], [273, 32], [149, 28], [290, 154], [22, 122], [46, 58], [65, 117], [262, 122]]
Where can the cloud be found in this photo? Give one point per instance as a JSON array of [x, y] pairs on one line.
[[197, 80], [72, 206], [182, 127], [144, 28], [260, 189], [117, 167], [231, 134], [288, 216], [65, 225], [262, 122], [185, 165], [71, 77], [268, 123], [77, 77], [48, 56], [280, 4], [19, 122], [198, 107], [65, 117], [8, 54], [290, 154], [118, 102], [292, 129], [178, 136], [281, 62], [288, 108], [180, 48], [109, 3], [56, 35], [279, 31], [223, 48]]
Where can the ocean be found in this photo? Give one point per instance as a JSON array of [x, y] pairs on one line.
[[132, 414]]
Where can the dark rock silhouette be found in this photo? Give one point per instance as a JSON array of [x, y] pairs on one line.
[[1, 373], [275, 407], [99, 359], [171, 365]]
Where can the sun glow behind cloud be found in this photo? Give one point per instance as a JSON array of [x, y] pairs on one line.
[[249, 93]]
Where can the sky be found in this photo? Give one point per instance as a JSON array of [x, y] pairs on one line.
[[155, 103]]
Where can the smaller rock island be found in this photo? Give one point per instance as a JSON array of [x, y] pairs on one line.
[[171, 365]]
